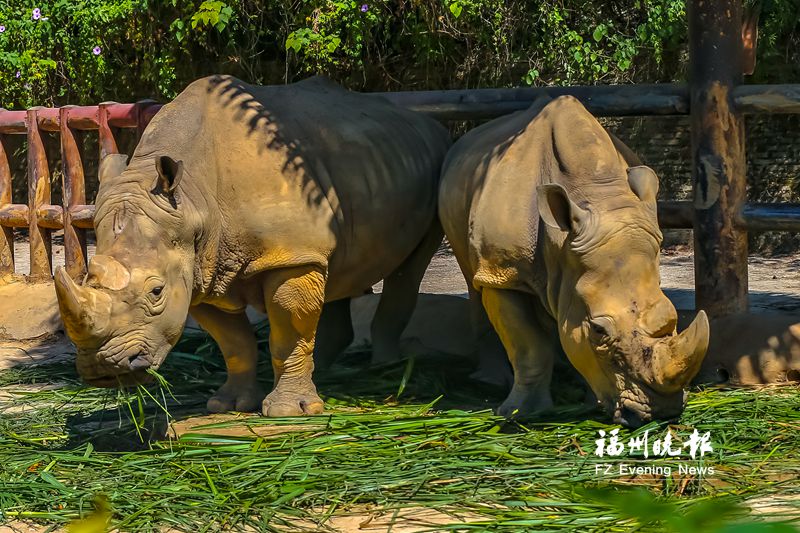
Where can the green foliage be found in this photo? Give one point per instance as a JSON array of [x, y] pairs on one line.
[[778, 55], [153, 48], [216, 14], [591, 41], [334, 34], [83, 51]]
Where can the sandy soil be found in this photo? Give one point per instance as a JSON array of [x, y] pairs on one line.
[[774, 281]]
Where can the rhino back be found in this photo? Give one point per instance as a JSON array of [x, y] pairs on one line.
[[488, 193], [305, 173], [487, 200]]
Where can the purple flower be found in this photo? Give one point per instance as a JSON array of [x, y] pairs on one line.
[[37, 13], [364, 8], [97, 50], [18, 74], [2, 28]]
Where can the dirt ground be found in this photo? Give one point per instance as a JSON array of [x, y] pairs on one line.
[[774, 281], [774, 287]]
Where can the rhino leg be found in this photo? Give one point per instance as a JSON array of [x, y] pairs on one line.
[[294, 298], [334, 332], [518, 320], [493, 366], [235, 337], [399, 297]]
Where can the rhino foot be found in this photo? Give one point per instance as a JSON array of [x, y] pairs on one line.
[[235, 397], [292, 402], [525, 401]]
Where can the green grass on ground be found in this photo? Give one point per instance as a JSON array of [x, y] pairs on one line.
[[395, 439]]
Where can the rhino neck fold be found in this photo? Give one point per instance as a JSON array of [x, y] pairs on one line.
[[183, 136]]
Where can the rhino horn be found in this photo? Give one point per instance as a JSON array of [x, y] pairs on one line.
[[677, 359], [85, 311], [109, 272]]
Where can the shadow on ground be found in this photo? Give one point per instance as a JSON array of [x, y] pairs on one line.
[[129, 420]]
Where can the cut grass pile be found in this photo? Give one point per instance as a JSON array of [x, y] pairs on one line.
[[393, 440]]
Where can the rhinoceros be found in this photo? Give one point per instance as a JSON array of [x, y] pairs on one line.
[[555, 230], [285, 198]]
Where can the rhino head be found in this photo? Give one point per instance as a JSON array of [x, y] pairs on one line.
[[615, 324], [131, 307]]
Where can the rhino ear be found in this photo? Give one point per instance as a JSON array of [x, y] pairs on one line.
[[112, 166], [643, 182], [557, 210], [170, 173]]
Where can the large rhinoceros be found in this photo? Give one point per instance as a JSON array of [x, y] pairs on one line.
[[558, 239], [280, 197]]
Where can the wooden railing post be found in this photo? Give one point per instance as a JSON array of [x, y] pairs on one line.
[[6, 232], [108, 144], [715, 69], [74, 194], [38, 196]]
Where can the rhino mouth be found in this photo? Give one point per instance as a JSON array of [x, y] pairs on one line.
[[117, 366], [638, 404]]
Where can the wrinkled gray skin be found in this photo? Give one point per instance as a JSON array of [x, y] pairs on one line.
[[286, 198], [553, 224]]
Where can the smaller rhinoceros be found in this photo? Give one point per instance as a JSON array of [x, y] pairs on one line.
[[558, 239], [285, 198]]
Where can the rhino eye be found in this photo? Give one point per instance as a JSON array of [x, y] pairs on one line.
[[157, 290], [601, 329]]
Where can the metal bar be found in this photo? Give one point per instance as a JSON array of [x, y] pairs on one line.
[[74, 193], [753, 217], [6, 233], [463, 104], [143, 117], [675, 215], [47, 118], [83, 117], [771, 217], [120, 115], [38, 196], [601, 100], [767, 98], [13, 121], [149, 112]]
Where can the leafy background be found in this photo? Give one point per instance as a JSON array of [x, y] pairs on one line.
[[153, 48]]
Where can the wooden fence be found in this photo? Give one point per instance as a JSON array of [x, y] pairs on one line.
[[715, 100], [40, 216]]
